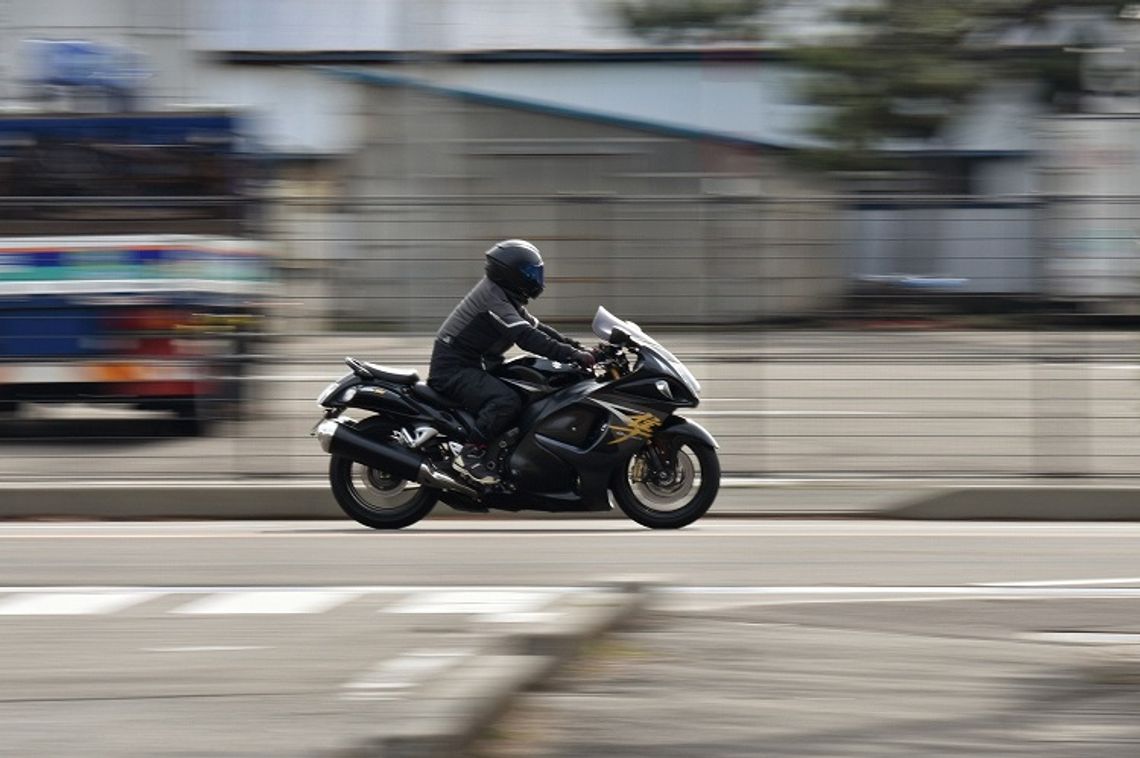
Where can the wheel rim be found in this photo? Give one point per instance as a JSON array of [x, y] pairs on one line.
[[379, 491], [668, 491]]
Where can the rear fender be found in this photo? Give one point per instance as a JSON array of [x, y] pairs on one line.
[[384, 398]]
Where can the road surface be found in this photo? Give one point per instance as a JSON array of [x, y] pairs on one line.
[[287, 639]]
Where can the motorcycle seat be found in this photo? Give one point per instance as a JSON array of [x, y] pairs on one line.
[[383, 373], [428, 395]]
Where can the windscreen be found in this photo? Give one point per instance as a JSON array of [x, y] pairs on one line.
[[604, 324]]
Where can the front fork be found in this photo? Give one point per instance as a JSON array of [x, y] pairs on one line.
[[660, 452], [658, 461]]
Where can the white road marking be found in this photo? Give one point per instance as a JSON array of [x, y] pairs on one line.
[[204, 649], [796, 413], [969, 591], [357, 589], [268, 601], [1064, 582], [478, 600], [70, 603], [713, 598], [481, 601], [694, 599], [389, 679], [526, 617], [1084, 638], [520, 604]]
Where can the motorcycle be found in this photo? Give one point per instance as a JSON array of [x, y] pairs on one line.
[[583, 435]]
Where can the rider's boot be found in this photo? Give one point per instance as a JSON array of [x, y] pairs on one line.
[[477, 463]]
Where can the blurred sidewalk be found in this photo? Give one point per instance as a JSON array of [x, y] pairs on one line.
[[884, 679]]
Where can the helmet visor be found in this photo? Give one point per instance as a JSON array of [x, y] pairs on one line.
[[533, 273]]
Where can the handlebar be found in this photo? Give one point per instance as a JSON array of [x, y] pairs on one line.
[[609, 356]]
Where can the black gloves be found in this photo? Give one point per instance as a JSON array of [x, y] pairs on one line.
[[584, 358]]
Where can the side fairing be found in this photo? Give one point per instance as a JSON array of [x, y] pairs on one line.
[[577, 438]]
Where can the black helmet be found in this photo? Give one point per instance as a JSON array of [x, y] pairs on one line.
[[516, 266]]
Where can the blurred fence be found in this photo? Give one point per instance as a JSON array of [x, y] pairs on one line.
[[806, 372], [679, 260]]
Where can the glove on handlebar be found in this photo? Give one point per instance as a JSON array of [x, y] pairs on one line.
[[584, 358]]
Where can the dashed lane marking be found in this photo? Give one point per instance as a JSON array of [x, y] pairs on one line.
[[512, 603], [267, 601], [482, 601], [71, 603]]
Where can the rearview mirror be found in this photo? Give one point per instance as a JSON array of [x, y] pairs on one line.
[[619, 337]]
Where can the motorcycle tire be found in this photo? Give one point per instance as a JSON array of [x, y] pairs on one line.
[[374, 498], [637, 501]]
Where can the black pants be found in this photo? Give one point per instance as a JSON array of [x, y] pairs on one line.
[[495, 405]]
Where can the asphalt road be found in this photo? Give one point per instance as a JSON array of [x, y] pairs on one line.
[[716, 552], [286, 639]]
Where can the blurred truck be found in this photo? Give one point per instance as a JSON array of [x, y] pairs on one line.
[[127, 269]]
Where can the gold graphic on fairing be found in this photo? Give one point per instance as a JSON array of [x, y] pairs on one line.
[[642, 426]]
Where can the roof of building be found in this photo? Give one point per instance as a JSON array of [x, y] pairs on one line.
[[663, 126]]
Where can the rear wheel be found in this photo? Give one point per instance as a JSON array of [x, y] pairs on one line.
[[671, 489], [376, 498]]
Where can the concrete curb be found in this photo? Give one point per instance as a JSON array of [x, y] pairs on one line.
[[250, 500], [446, 715], [1071, 500], [1030, 503]]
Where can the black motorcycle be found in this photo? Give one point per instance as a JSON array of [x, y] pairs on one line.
[[582, 435]]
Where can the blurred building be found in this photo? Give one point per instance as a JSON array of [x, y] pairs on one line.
[[408, 134]]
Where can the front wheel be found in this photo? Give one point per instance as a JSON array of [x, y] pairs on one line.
[[668, 485]]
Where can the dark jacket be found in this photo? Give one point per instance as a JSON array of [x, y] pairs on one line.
[[485, 324]]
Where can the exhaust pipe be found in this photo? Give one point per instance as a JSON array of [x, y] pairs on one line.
[[337, 438]]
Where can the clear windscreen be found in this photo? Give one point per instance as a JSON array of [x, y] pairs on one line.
[[604, 324]]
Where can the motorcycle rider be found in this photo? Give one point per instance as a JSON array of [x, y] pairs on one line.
[[473, 338]]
